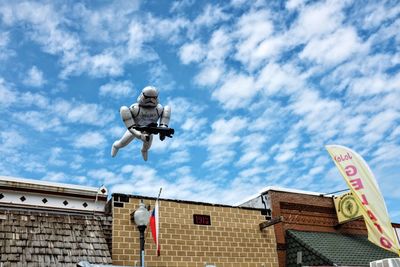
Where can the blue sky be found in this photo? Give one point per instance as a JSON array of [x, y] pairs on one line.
[[257, 89]]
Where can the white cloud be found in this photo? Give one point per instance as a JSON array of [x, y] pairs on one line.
[[194, 124], [374, 84], [179, 6], [333, 48], [294, 4], [117, 89], [354, 124], [210, 16], [11, 140], [178, 157], [106, 23], [5, 51], [105, 64], [34, 77], [55, 177], [379, 124], [286, 150], [105, 177], [209, 75], [39, 121], [317, 20], [236, 91], [252, 149], [279, 79], [216, 51], [137, 37], [191, 52], [159, 76], [318, 114], [33, 99], [56, 156], [252, 30], [90, 140], [7, 95], [375, 14], [225, 133], [84, 113], [219, 46]]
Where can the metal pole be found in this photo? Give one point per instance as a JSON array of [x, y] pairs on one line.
[[142, 228]]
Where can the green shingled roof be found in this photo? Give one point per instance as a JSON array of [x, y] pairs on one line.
[[332, 249]]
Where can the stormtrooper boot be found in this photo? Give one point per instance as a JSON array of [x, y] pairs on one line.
[[114, 149], [125, 140]]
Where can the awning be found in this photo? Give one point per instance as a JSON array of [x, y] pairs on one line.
[[318, 249]]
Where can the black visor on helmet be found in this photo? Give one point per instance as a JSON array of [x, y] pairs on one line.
[[148, 96]]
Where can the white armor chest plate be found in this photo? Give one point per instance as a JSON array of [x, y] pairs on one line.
[[146, 116]]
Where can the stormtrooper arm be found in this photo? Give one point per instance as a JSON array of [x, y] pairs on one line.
[[128, 115], [165, 116]]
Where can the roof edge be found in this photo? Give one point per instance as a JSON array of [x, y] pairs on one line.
[[183, 201], [22, 183]]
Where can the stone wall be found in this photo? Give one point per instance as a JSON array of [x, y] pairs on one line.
[[232, 239]]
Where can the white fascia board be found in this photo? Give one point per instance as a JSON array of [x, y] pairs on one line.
[[49, 186], [279, 189]]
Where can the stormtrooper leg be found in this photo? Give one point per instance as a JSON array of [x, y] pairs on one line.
[[146, 146], [125, 140]]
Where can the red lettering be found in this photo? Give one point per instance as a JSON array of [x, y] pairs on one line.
[[378, 226], [371, 215], [341, 158], [350, 170], [385, 243], [364, 200], [356, 184]]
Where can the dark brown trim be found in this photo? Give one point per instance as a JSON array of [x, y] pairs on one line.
[[115, 195], [270, 222], [305, 207]]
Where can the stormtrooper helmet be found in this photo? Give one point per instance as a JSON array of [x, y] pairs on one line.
[[148, 97]]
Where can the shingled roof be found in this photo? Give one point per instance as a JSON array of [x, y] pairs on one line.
[[46, 239], [332, 249]]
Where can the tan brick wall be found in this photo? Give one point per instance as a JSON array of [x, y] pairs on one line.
[[233, 238]]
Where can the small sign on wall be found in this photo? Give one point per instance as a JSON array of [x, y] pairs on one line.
[[201, 219]]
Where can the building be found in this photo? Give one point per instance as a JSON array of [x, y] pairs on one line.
[[194, 234], [51, 224], [307, 230]]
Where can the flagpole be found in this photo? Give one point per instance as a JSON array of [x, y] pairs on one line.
[[159, 193], [154, 222]]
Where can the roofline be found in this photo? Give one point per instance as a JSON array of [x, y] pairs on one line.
[[183, 201], [275, 188], [22, 183]]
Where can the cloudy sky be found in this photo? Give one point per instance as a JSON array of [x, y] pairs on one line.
[[257, 89]]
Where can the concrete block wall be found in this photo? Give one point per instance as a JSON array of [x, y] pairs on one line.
[[232, 239]]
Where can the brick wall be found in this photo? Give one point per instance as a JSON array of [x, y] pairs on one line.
[[307, 213], [232, 239]]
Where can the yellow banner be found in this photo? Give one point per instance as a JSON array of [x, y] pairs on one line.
[[347, 208], [364, 187]]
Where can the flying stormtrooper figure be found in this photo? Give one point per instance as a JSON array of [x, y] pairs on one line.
[[141, 120]]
